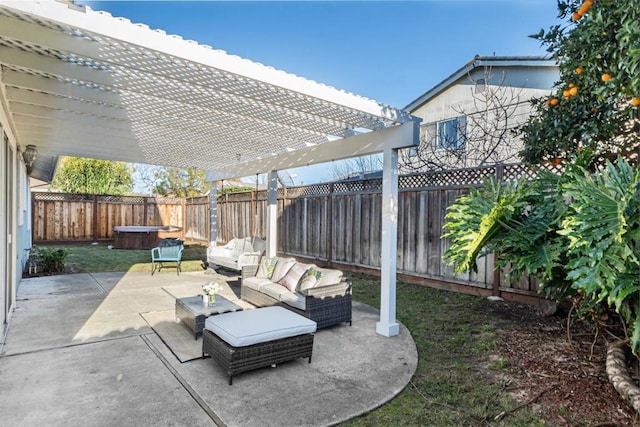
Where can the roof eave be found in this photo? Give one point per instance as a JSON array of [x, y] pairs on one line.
[[477, 62]]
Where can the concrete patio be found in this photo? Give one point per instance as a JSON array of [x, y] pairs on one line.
[[79, 352]]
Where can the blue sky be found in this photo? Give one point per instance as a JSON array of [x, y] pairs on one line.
[[389, 51]]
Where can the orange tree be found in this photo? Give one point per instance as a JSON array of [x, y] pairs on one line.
[[578, 232], [595, 105]]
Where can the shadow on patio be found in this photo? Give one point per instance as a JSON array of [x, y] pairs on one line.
[[79, 351]]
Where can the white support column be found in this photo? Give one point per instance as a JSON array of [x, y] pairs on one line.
[[388, 326], [272, 213], [213, 213]]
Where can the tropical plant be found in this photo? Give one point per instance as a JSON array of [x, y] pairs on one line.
[[579, 233], [603, 228], [518, 220]]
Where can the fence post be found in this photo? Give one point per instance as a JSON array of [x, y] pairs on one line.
[[330, 222], [184, 214], [95, 218], [285, 235], [253, 216], [496, 269], [144, 210]]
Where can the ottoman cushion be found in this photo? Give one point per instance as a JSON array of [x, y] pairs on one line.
[[244, 328]]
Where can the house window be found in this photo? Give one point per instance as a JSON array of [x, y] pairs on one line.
[[452, 133]]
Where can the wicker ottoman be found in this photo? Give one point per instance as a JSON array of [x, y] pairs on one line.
[[246, 340]]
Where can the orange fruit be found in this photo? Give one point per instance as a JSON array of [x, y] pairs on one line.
[[576, 16], [635, 102], [584, 8], [573, 91], [595, 110], [571, 85], [557, 161], [606, 77], [553, 101], [579, 70], [566, 93]]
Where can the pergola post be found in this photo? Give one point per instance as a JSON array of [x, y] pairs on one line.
[[272, 213], [213, 213], [388, 326]]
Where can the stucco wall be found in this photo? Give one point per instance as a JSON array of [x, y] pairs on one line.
[[516, 86]]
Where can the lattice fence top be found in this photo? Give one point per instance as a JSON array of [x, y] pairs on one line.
[[129, 200], [460, 178], [62, 197]]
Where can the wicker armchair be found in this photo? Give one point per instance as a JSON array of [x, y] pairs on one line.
[[326, 305]]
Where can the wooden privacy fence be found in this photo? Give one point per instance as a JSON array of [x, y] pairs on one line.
[[340, 223], [60, 217], [335, 223]]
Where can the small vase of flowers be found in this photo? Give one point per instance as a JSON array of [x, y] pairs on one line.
[[210, 289]]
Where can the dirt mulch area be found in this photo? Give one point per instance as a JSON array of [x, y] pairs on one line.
[[564, 381]]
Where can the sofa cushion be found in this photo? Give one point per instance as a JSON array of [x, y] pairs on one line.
[[255, 283], [329, 277], [244, 328], [267, 265], [273, 290], [293, 276], [282, 268], [293, 299], [310, 278]]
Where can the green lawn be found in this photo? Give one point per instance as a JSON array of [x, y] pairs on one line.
[[454, 334], [93, 259]]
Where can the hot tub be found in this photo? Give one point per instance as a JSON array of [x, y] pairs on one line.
[[142, 236]]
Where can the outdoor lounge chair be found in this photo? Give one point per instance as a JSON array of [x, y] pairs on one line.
[[168, 250]]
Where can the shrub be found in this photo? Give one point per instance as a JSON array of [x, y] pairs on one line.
[[51, 260]]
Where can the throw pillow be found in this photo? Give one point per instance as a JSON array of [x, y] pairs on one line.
[[310, 279], [293, 276], [265, 271], [282, 268], [330, 277]]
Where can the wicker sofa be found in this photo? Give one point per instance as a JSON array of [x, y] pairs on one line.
[[236, 253], [319, 294]]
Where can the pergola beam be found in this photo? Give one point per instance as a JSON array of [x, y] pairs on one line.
[[401, 136]]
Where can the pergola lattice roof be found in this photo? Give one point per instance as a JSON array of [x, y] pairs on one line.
[[83, 83]]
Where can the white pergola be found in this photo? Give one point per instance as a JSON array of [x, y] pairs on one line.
[[79, 82]]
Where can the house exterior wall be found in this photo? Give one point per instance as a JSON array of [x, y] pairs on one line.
[[15, 239], [514, 86]]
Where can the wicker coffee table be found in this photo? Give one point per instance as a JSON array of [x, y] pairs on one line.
[[193, 312]]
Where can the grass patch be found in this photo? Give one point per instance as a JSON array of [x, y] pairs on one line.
[[454, 334], [99, 258]]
